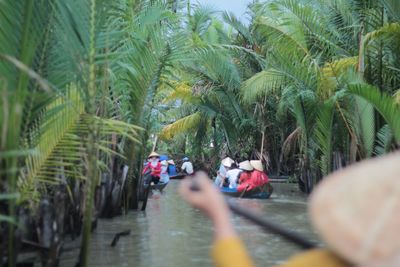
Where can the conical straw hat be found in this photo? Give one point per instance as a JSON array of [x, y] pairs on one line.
[[227, 162], [171, 162], [357, 212], [153, 154], [246, 166], [257, 165]]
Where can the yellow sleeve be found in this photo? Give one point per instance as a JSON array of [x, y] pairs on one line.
[[230, 252], [316, 257]]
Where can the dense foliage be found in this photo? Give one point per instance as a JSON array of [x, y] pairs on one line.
[[310, 85], [77, 82], [88, 86]]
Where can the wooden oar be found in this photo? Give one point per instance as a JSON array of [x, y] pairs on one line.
[[244, 191], [266, 224], [146, 197], [272, 227]]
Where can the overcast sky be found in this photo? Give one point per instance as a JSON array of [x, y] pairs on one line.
[[238, 7]]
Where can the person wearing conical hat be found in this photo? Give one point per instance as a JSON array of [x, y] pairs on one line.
[[225, 165], [245, 176], [355, 210], [227, 162], [153, 167], [258, 176], [153, 155]]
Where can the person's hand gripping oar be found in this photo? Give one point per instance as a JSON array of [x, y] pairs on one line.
[[202, 194]]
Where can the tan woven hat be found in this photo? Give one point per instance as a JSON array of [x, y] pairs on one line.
[[246, 166], [227, 162], [153, 154], [357, 212], [257, 164], [171, 162]]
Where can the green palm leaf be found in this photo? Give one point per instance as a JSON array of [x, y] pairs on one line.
[[384, 103], [366, 115], [262, 83], [384, 138], [184, 124], [323, 134]]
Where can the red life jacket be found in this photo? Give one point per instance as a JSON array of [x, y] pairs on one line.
[[257, 179], [155, 171], [244, 181]]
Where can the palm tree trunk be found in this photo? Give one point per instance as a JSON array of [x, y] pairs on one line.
[[155, 143], [262, 144]]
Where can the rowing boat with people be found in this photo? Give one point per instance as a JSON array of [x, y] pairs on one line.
[[261, 192]]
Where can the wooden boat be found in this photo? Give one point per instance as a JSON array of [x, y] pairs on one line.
[[177, 176], [145, 191], [159, 186], [261, 192]]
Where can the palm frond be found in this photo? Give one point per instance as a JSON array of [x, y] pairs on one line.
[[387, 31], [384, 138], [182, 92], [278, 35], [201, 19], [182, 125], [60, 139], [384, 103], [366, 115], [393, 8], [262, 83], [291, 142], [54, 131], [231, 19], [323, 134]]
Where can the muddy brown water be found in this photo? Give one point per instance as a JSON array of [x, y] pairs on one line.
[[172, 234]]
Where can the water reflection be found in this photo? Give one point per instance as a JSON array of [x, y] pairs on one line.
[[170, 233]]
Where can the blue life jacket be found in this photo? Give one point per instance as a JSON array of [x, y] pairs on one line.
[[172, 170]]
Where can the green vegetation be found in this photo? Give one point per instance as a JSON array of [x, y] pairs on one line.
[[310, 85], [87, 86]]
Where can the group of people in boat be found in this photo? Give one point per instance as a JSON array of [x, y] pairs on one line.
[[245, 176], [161, 170]]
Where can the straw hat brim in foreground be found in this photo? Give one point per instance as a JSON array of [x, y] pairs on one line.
[[357, 212], [153, 154], [227, 162], [245, 165], [257, 164]]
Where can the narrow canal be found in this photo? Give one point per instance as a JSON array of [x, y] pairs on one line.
[[172, 234]]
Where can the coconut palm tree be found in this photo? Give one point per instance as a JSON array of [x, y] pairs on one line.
[[211, 110], [60, 64]]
